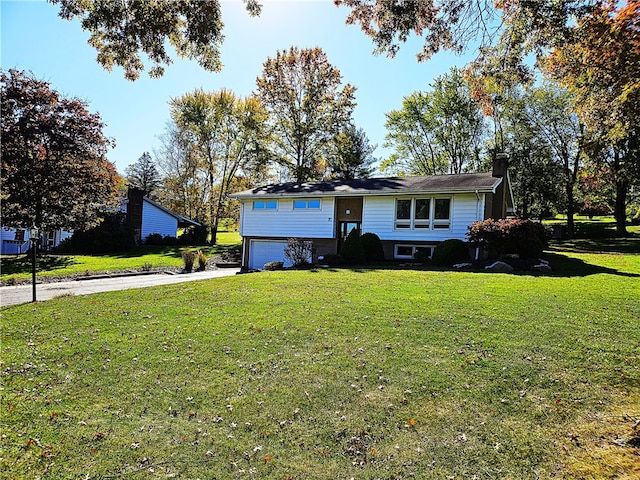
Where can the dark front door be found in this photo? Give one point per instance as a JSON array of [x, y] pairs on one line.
[[344, 228]]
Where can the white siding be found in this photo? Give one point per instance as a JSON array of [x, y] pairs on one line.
[[379, 217], [286, 222], [155, 220]]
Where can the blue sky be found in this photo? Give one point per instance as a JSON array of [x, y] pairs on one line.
[[35, 39]]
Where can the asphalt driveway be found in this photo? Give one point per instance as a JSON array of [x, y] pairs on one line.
[[13, 295]]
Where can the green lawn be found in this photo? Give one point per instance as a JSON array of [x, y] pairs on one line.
[[18, 267], [332, 374]]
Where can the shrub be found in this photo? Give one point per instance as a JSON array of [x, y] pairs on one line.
[[153, 239], [194, 236], [421, 256], [202, 260], [524, 237], [450, 252], [271, 266], [353, 251], [189, 258], [333, 259], [373, 250], [299, 252], [112, 235]]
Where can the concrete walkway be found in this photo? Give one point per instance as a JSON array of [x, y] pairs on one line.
[[13, 295]]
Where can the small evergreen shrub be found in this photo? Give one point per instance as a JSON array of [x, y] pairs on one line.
[[189, 258], [202, 260], [421, 256], [524, 237], [373, 250], [353, 251], [272, 266], [298, 251], [450, 252], [332, 259]]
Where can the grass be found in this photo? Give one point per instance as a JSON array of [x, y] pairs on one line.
[[18, 267], [346, 373]]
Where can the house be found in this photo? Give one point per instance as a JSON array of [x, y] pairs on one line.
[[143, 215], [15, 241], [407, 213], [146, 217]]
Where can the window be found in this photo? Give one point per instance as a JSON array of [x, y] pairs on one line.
[[423, 213], [307, 204], [409, 251], [442, 213], [403, 213], [265, 204]]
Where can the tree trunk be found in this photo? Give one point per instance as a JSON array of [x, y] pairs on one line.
[[570, 209], [622, 185], [621, 207]]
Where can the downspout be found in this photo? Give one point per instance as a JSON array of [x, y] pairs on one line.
[[244, 243]]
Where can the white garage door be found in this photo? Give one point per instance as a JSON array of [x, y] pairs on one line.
[[263, 251]]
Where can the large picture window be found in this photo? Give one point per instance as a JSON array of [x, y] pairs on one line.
[[423, 213]]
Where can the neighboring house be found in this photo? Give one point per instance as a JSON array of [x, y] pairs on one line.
[[16, 240], [143, 215], [146, 217], [407, 213]]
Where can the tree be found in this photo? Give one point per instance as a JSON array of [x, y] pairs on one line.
[[144, 175], [54, 167], [227, 135], [436, 132], [519, 27], [353, 155], [549, 110], [182, 183], [121, 30], [602, 67], [301, 91], [536, 176]]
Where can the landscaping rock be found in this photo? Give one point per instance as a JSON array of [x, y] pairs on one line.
[[542, 268], [500, 267], [464, 265]]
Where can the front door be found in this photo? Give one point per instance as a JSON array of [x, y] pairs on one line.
[[344, 228]]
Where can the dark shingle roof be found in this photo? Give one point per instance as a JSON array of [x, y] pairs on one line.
[[465, 182]]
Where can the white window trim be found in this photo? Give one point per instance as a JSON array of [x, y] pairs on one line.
[[430, 224], [306, 203], [264, 208]]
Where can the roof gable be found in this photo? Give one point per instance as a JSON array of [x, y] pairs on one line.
[[460, 183]]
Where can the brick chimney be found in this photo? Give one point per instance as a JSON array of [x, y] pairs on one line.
[[500, 164], [134, 211]]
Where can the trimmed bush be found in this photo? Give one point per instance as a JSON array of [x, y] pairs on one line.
[[333, 259], [373, 250], [524, 237], [450, 252], [353, 251], [271, 266]]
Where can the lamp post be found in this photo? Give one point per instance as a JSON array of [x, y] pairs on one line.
[[33, 238]]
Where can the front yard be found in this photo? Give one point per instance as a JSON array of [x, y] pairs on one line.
[[347, 373]]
